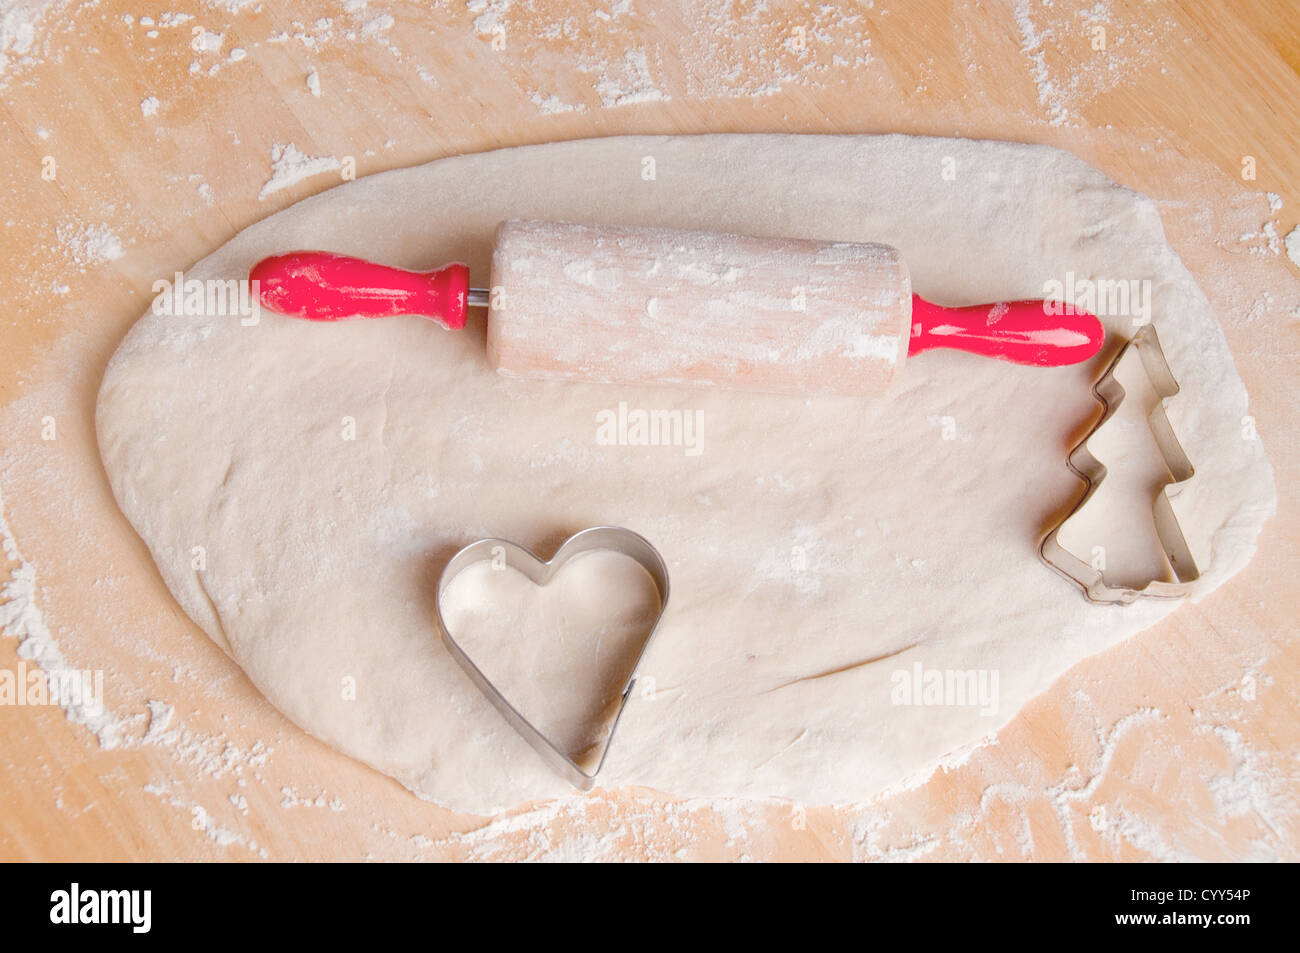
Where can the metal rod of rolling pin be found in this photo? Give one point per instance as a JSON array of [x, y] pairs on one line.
[[477, 298]]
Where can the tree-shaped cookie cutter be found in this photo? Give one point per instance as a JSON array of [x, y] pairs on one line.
[[1110, 394]]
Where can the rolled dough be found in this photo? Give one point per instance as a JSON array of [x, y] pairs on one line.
[[825, 554]]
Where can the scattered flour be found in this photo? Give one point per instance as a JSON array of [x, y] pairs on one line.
[[490, 14], [550, 105], [203, 821], [19, 20], [1104, 50], [376, 25], [89, 244], [160, 717], [1077, 790], [1293, 245], [1031, 44], [152, 726], [290, 798], [149, 106], [207, 42], [616, 10], [290, 166], [313, 83], [1251, 789], [21, 618], [231, 6], [869, 833], [629, 82]]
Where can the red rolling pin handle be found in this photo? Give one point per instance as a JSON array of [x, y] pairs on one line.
[[323, 286], [1040, 333]]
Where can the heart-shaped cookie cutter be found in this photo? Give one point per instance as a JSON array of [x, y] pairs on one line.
[[608, 538]]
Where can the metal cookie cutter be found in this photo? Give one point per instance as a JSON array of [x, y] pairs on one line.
[[610, 538], [1110, 394]]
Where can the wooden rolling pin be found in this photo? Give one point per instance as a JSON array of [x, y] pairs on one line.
[[664, 306]]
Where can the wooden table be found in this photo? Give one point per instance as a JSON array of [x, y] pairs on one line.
[[1180, 743]]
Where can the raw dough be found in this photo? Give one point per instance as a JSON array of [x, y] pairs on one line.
[[823, 552]]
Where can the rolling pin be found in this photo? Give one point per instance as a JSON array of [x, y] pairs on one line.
[[636, 305]]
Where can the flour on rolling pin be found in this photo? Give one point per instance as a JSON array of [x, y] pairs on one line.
[[665, 306]]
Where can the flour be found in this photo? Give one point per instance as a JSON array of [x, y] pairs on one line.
[[1251, 789], [19, 21], [1095, 811], [1049, 96], [616, 9], [868, 832], [629, 83], [160, 717], [21, 618], [489, 14], [89, 244], [723, 51], [583, 829], [1263, 241], [377, 25], [206, 41], [289, 166], [313, 83], [290, 799], [149, 106], [1293, 245], [732, 52], [1077, 788], [550, 105], [114, 727], [203, 821], [1107, 50]]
